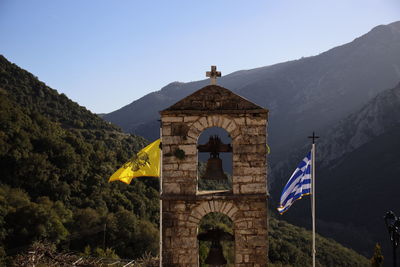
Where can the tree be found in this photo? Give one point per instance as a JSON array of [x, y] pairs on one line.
[[377, 258]]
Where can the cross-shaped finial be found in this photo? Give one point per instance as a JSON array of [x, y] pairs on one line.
[[213, 74], [313, 137]]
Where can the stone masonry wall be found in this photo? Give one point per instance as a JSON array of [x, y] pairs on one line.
[[182, 217], [248, 134], [183, 206]]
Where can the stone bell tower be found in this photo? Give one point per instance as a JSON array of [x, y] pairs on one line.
[[183, 206]]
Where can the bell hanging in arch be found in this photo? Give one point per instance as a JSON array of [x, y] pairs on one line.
[[215, 255], [214, 170]]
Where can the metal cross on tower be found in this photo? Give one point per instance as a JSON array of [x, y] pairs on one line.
[[313, 137], [213, 74]]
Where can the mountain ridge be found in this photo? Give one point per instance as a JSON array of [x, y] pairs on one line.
[[305, 88], [372, 120]]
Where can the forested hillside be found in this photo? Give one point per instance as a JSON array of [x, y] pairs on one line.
[[55, 159]]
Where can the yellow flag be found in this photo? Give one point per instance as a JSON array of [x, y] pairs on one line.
[[145, 163]]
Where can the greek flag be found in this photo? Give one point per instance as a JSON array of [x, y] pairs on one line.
[[299, 185]]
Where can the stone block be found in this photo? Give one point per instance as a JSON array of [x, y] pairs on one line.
[[239, 157], [231, 212], [258, 163], [244, 206], [170, 167], [235, 187], [188, 188], [172, 173], [189, 149], [207, 207], [248, 171], [210, 122], [231, 127], [257, 240], [193, 133], [253, 188], [238, 258], [215, 120], [252, 214], [241, 225], [179, 129], [171, 119], [197, 213], [244, 179], [218, 206], [187, 166], [171, 188], [227, 208], [240, 121], [190, 118], [246, 231], [194, 219], [246, 258], [212, 206], [258, 121], [168, 140], [166, 130], [239, 164], [203, 122], [258, 206], [179, 207], [166, 149], [258, 139], [224, 122], [255, 130]]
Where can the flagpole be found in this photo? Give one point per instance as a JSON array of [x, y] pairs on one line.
[[313, 252], [161, 175], [313, 202]]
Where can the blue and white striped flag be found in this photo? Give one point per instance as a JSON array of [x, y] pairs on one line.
[[299, 185]]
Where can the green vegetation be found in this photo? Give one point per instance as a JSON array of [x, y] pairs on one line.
[[55, 159], [290, 245]]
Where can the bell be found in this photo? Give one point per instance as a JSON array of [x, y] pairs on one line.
[[215, 256], [214, 169]]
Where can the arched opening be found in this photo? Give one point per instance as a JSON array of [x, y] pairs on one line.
[[214, 160], [216, 240]]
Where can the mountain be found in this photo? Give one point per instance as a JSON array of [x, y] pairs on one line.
[[377, 117], [357, 176], [308, 94], [55, 158], [365, 171]]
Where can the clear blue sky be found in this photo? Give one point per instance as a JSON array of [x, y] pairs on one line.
[[105, 54]]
